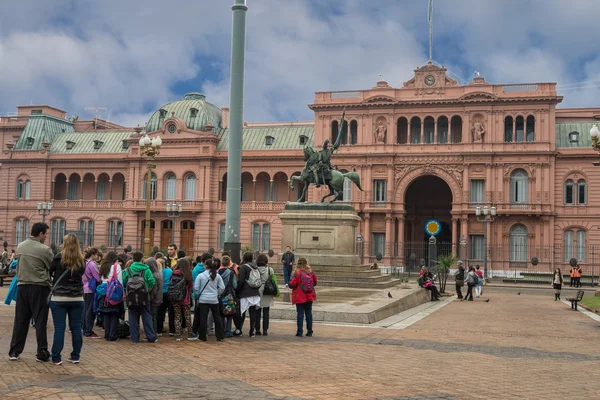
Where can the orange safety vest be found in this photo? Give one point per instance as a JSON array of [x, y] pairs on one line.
[[572, 272], [577, 272]]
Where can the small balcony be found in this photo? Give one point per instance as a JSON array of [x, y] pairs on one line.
[[516, 208], [102, 204], [257, 205]]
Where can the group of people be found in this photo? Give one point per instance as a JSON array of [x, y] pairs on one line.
[[473, 278], [576, 276], [93, 289]]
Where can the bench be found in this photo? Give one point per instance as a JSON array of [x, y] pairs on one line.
[[576, 299]]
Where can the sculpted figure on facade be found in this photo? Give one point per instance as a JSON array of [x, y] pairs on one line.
[[477, 131], [380, 132]]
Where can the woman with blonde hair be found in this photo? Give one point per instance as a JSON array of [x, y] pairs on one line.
[[66, 298], [303, 284]]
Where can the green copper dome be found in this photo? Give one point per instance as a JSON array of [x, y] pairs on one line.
[[193, 109]]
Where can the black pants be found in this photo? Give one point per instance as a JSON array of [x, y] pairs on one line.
[[31, 303], [459, 290], [470, 287], [265, 314], [161, 313], [202, 310], [434, 292], [111, 323], [572, 281], [238, 318], [578, 282], [88, 314], [254, 315]]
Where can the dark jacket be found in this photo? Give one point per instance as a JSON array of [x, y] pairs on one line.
[[243, 290], [459, 276], [288, 259], [71, 285]]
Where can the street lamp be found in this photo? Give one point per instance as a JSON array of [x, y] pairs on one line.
[[44, 209], [174, 211], [485, 215], [149, 148]]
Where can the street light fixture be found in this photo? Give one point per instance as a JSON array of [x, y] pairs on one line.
[[44, 209], [149, 148], [485, 215], [174, 211]]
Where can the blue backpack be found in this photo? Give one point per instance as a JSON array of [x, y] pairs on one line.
[[114, 290], [92, 283]]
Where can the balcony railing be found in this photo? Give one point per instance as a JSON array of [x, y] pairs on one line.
[[88, 203], [511, 206], [258, 205]]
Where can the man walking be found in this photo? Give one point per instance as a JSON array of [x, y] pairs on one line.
[[33, 288], [288, 263]]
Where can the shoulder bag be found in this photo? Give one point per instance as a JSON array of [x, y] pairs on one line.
[[55, 284]]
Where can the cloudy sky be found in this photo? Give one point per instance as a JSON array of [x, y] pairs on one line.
[[133, 56]]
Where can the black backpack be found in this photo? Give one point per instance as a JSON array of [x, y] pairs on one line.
[[137, 292], [177, 288], [270, 286]]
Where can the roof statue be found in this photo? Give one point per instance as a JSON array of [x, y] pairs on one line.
[[319, 171]]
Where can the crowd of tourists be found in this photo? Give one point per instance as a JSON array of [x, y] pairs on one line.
[[114, 292], [473, 277]]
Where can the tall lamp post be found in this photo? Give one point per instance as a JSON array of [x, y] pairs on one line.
[[595, 135], [149, 148], [44, 209], [485, 215], [174, 211]]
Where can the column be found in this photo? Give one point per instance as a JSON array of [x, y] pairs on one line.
[[514, 129], [367, 236], [408, 133], [455, 238], [110, 190], [435, 131], [390, 186], [271, 190], [400, 240], [96, 189], [254, 190], [422, 131], [388, 240], [464, 228], [488, 183], [67, 190], [219, 197], [288, 190], [53, 194]]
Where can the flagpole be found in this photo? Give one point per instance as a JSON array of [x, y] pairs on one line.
[[430, 30]]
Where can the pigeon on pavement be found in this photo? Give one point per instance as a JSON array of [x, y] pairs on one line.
[[487, 301], [390, 295]]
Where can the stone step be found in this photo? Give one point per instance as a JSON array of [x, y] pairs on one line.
[[542, 281], [362, 285], [344, 277], [318, 268]]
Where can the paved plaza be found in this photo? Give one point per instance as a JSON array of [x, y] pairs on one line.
[[514, 346]]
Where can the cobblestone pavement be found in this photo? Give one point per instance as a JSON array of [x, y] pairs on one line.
[[515, 346]]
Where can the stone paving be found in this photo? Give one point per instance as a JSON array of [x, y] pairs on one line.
[[515, 346]]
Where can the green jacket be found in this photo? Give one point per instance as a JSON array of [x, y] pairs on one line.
[[34, 263], [139, 268]]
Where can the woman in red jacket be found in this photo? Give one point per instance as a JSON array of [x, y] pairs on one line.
[[303, 284]]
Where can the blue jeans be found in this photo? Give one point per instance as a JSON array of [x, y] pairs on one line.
[[287, 273], [227, 324], [134, 323], [301, 310], [60, 310]]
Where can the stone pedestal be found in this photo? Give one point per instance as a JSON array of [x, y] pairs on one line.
[[323, 233]]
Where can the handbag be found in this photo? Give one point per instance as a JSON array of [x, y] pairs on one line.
[[54, 286], [270, 286]]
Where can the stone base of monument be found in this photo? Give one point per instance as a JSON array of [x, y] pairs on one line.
[[359, 306], [325, 234]]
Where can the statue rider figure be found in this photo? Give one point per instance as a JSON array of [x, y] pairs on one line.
[[323, 165]]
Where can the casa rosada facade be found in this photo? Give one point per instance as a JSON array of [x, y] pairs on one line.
[[430, 150]]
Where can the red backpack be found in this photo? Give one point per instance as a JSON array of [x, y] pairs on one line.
[[306, 282]]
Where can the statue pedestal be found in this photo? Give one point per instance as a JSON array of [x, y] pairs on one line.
[[323, 233]]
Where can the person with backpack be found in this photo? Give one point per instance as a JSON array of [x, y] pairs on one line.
[[110, 295], [197, 270], [479, 285], [166, 303], [459, 280], [209, 286], [248, 291], [267, 290], [91, 279], [180, 291], [138, 282], [228, 299], [303, 282], [471, 283], [156, 294]]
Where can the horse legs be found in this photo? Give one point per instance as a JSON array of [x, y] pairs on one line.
[[336, 196], [327, 195], [302, 198]]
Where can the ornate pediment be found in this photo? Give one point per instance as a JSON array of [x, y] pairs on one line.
[[379, 99], [478, 96], [430, 76]]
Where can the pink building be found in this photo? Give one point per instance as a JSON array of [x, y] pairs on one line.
[[431, 149]]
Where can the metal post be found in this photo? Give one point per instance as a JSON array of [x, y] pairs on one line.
[[236, 115], [147, 227], [485, 250], [173, 229]]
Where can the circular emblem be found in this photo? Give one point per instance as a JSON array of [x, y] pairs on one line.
[[433, 227], [171, 128], [429, 80]]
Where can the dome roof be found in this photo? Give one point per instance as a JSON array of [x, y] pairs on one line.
[[194, 110]]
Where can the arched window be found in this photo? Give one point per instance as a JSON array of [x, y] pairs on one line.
[[20, 189], [581, 246], [261, 237], [270, 191], [152, 187], [190, 187], [442, 130], [415, 130], [520, 129], [581, 192], [569, 188], [402, 133], [530, 128], [335, 127], [344, 133], [353, 132], [86, 226], [428, 128], [568, 245], [519, 248], [21, 230], [519, 188], [347, 190], [508, 129], [115, 233], [27, 189], [170, 187], [58, 228]]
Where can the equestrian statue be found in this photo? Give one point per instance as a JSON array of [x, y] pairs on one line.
[[319, 171]]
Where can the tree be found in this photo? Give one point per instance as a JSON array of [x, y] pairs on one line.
[[442, 269]]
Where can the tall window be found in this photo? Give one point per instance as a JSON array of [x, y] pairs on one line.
[[270, 191], [581, 246], [477, 190], [415, 130], [379, 188], [520, 129], [477, 247], [86, 226], [569, 188], [519, 186], [581, 192], [73, 193], [335, 126], [115, 233], [261, 237], [442, 130], [21, 230], [190, 187], [508, 129], [568, 245], [23, 189], [221, 241], [378, 244], [353, 132], [101, 191], [344, 139], [519, 247], [530, 128], [152, 187], [58, 229], [347, 190], [170, 187]]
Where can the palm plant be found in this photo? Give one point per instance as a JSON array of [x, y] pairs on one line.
[[442, 268]]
